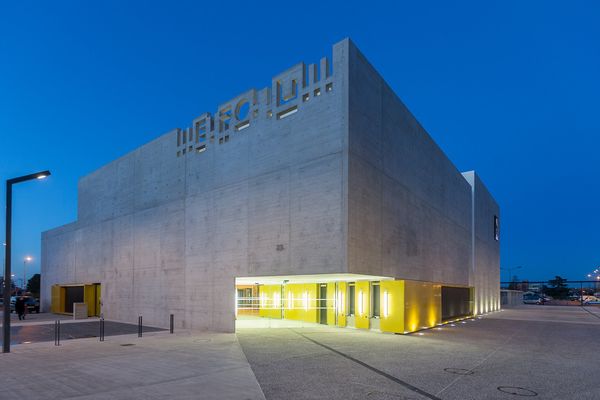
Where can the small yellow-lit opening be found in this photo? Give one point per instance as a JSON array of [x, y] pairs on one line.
[[263, 300], [340, 301], [276, 300], [360, 303], [386, 304]]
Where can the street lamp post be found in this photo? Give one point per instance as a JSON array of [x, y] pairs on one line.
[[25, 261], [7, 260]]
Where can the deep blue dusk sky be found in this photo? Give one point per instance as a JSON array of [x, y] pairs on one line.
[[508, 88]]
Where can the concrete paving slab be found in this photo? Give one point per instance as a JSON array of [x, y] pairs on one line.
[[158, 366], [546, 351]]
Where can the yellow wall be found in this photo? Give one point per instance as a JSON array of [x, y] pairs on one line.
[[394, 320], [342, 304], [300, 311], [411, 305], [89, 297], [361, 319], [57, 305], [422, 305], [269, 305]]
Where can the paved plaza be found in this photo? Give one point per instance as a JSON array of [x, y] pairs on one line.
[[157, 366], [547, 352]]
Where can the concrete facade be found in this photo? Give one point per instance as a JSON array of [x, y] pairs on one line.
[[323, 172]]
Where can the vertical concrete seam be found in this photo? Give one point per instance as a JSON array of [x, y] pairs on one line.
[[185, 242], [381, 201], [345, 192], [474, 280]]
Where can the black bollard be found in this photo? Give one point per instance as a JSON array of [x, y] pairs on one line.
[[102, 329], [140, 326], [171, 325], [57, 333]]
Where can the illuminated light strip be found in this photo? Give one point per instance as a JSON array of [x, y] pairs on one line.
[[290, 301], [340, 301], [305, 300], [286, 113], [386, 304], [236, 303], [360, 303], [276, 300]]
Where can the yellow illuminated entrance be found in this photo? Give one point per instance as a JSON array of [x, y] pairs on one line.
[[344, 300], [63, 297]]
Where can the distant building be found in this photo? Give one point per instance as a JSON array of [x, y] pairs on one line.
[[320, 198]]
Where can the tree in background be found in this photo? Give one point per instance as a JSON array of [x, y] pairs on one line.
[[558, 288], [33, 285]]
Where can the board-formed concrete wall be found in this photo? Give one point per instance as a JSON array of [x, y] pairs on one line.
[[166, 232], [335, 176], [409, 207]]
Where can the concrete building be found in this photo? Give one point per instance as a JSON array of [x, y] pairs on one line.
[[320, 198]]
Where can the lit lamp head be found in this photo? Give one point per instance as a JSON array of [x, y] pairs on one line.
[[28, 258], [43, 175]]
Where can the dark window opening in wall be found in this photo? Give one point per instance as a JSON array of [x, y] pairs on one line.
[[242, 125], [220, 140], [201, 149], [329, 87], [375, 303], [305, 97], [286, 113], [351, 299], [73, 294], [456, 302], [496, 228], [317, 92]]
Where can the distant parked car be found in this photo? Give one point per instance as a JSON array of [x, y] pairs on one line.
[[533, 299], [31, 303], [591, 300]]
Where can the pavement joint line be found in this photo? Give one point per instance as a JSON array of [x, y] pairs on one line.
[[478, 364], [371, 368], [591, 313]]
